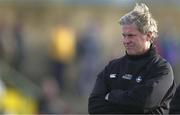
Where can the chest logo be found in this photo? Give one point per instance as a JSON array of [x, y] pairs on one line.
[[127, 76], [112, 76], [138, 79]]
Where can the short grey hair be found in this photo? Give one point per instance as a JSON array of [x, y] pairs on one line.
[[141, 17]]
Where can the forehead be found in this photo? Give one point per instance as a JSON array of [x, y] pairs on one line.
[[131, 28]]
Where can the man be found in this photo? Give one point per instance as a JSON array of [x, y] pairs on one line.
[[139, 82]]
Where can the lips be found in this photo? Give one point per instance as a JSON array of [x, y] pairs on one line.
[[129, 47]]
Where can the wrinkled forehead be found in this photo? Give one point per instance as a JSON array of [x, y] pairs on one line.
[[127, 28]]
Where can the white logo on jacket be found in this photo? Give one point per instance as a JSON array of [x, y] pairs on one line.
[[112, 75], [127, 76], [138, 79]]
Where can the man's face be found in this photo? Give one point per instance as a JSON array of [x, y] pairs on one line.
[[134, 41]]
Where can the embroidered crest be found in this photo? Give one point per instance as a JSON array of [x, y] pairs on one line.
[[112, 75], [127, 76], [138, 79]]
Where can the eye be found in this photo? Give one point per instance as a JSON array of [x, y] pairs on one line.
[[128, 35], [131, 35], [124, 35]]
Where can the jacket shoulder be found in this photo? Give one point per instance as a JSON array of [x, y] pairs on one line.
[[161, 62], [117, 61], [161, 65]]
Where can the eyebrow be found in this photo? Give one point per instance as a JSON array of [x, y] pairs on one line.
[[128, 34]]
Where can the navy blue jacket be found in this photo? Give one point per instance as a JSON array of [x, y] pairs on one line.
[[175, 103], [134, 84]]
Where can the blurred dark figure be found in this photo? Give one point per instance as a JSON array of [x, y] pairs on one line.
[[88, 58], [168, 47], [175, 103], [19, 44], [51, 102], [62, 51], [2, 26]]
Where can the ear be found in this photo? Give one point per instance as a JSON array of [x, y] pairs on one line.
[[149, 36]]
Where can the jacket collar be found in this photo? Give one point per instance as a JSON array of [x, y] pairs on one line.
[[149, 53]]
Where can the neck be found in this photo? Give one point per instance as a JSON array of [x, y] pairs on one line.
[[143, 51], [148, 45], [149, 52]]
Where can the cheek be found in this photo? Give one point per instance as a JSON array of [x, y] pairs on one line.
[[138, 45], [141, 45]]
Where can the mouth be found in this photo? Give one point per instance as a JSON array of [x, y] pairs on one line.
[[128, 47]]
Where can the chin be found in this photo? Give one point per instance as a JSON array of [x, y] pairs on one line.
[[131, 53]]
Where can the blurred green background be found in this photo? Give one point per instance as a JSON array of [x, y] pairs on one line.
[[52, 50]]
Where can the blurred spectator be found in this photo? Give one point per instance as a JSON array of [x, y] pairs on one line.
[[2, 27], [18, 41], [62, 51], [14, 102], [51, 102], [2, 87], [2, 92], [168, 47], [88, 57]]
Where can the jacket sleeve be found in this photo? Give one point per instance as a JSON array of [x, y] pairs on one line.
[[148, 95], [175, 103], [97, 103]]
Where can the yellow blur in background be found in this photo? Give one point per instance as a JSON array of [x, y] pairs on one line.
[[14, 102], [63, 44]]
